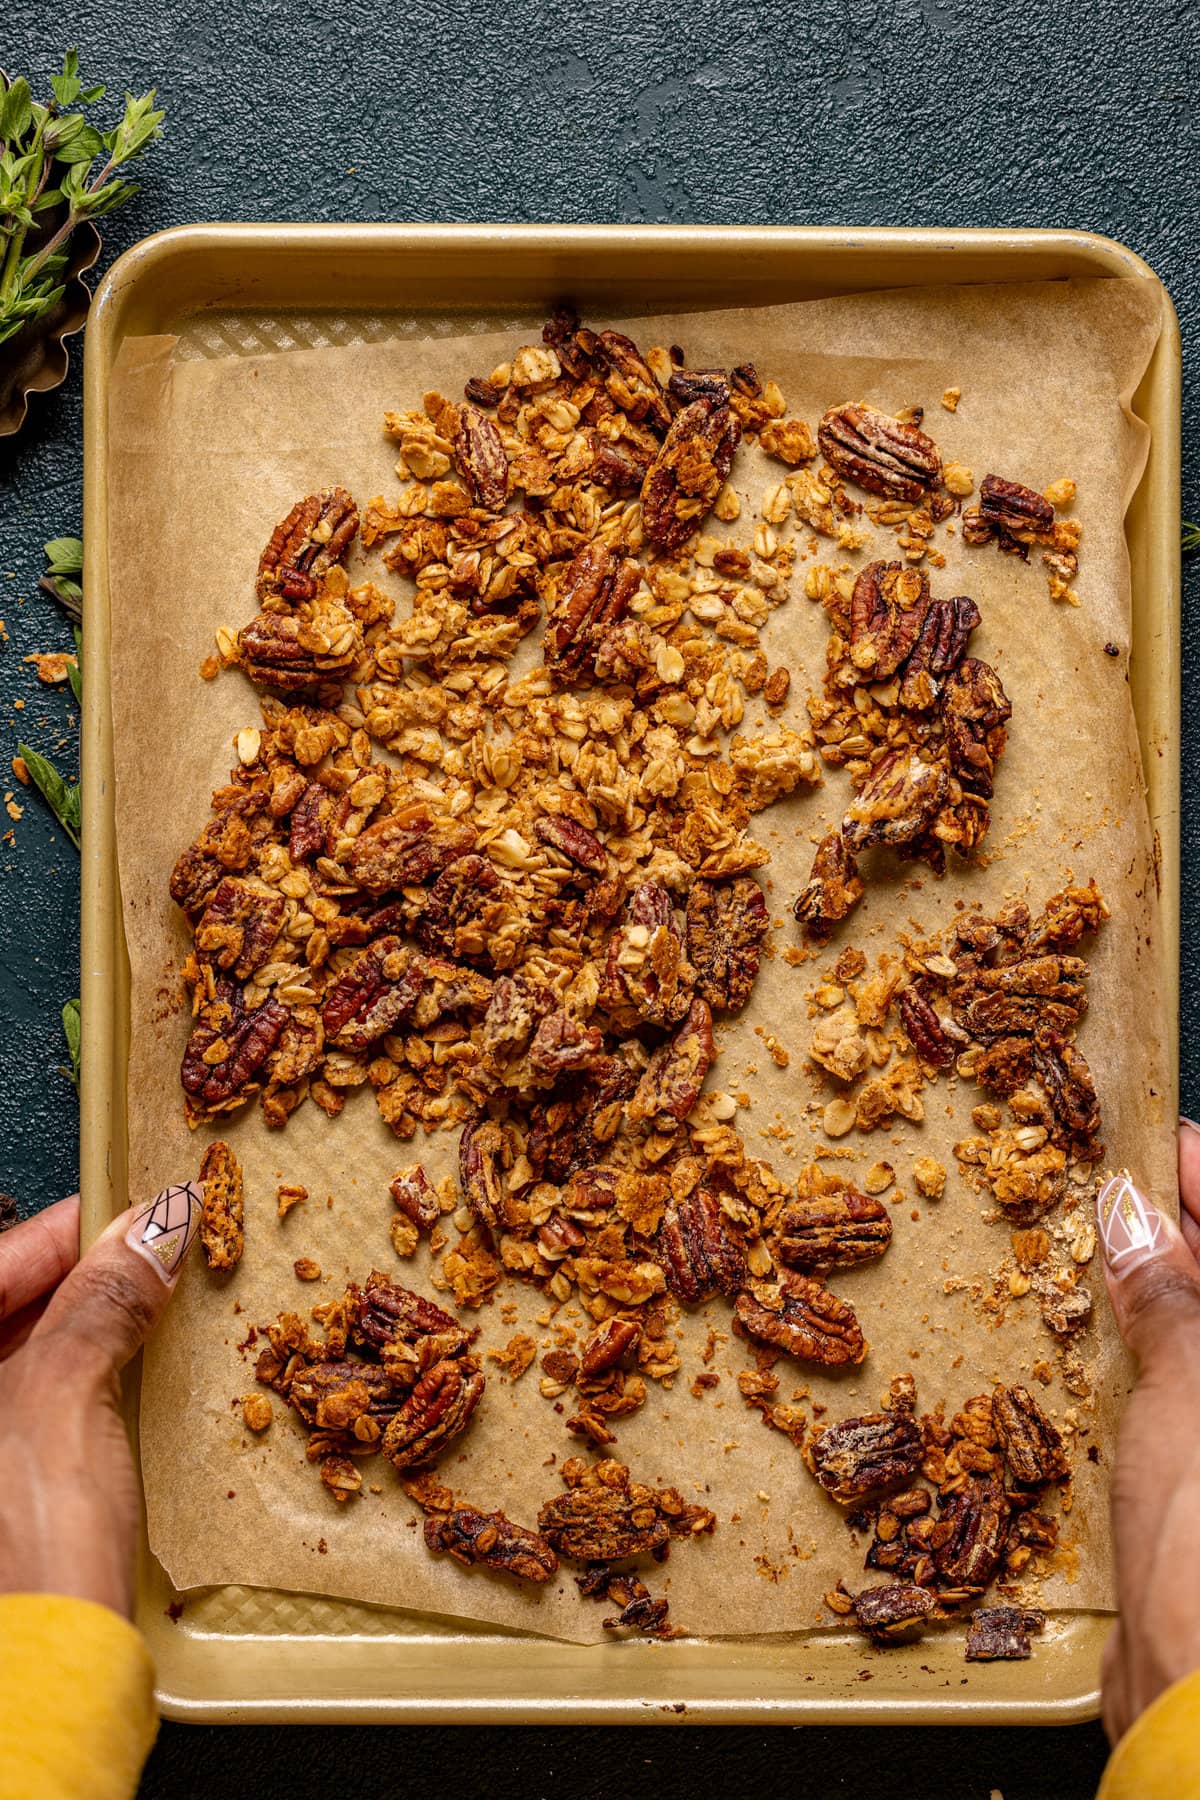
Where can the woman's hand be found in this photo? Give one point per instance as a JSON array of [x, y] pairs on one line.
[[69, 1495], [1153, 1276]]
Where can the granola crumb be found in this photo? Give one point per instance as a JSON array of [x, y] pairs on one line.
[[257, 1412], [929, 1177], [951, 398], [288, 1195], [306, 1269]]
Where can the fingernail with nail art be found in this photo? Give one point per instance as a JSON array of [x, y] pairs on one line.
[[1131, 1227], [163, 1230]]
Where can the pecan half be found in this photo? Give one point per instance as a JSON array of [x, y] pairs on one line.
[[975, 710], [925, 1031], [687, 385], [239, 925], [224, 847], [512, 1016], [888, 609], [968, 1540], [479, 1150], [803, 1318], [572, 840], [726, 925], [631, 383], [1030, 993], [561, 1043], [378, 990], [833, 1231], [415, 1198], [292, 651], [333, 1396], [859, 1458], [455, 902], [1007, 509], [1001, 1633], [574, 1131], [594, 592], [896, 1610], [228, 1047], [316, 534], [672, 1082], [689, 472], [645, 967], [493, 1540], [699, 1248], [386, 1315], [435, 1413], [1067, 1079], [309, 820], [1032, 1445], [878, 452], [606, 1345], [896, 802], [395, 854], [834, 888], [939, 649], [479, 453], [221, 1211], [606, 1515]]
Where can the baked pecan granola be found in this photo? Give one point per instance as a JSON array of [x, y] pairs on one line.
[[491, 1539], [221, 1212]]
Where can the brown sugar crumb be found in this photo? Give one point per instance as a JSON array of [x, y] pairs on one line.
[[221, 1213], [256, 1412], [306, 1269], [52, 666], [287, 1195], [929, 1177], [516, 1356], [210, 668], [951, 398], [20, 770]]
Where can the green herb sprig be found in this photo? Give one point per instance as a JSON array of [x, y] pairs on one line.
[[62, 799], [64, 559], [53, 161], [72, 1031]]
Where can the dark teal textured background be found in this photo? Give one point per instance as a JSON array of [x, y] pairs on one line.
[[916, 112]]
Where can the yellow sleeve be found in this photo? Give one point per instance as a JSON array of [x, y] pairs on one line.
[[77, 1714], [1159, 1756]]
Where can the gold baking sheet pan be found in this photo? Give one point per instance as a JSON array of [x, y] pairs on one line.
[[235, 290]]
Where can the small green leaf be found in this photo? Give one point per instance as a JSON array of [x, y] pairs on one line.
[[1190, 538], [65, 555], [75, 669], [16, 111], [62, 799], [72, 1025]]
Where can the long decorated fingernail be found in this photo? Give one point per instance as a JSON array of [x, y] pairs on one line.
[[163, 1230], [1131, 1227]]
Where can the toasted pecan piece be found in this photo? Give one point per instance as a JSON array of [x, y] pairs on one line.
[[801, 1316], [1001, 1633], [222, 1212], [315, 535], [491, 1539], [833, 1230], [689, 471], [1032, 1444], [857, 1459], [880, 453]]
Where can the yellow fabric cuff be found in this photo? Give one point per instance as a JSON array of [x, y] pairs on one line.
[[1159, 1756], [77, 1714]]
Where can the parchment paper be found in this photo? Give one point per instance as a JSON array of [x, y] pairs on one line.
[[206, 456]]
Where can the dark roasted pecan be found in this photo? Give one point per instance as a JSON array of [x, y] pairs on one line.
[[437, 1410], [939, 649], [645, 966], [333, 1396], [378, 990], [481, 392], [689, 472], [687, 385], [894, 1611], [241, 1040], [315, 535], [493, 1540], [1006, 510], [631, 383], [834, 888], [606, 1516], [414, 1196], [594, 591], [726, 925], [640, 1611], [878, 452], [480, 456], [479, 1150], [888, 609], [1064, 1073], [832, 1231], [561, 1043], [897, 800], [672, 1082], [1032, 1445], [1025, 995], [293, 651], [1001, 1633], [225, 846], [573, 1132], [859, 1458], [968, 1539], [310, 816], [387, 1315], [456, 901], [221, 1212], [239, 925], [512, 1016], [699, 1248], [620, 471], [606, 1344], [572, 840], [1066, 917], [395, 854], [975, 709], [926, 1032], [803, 1318]]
